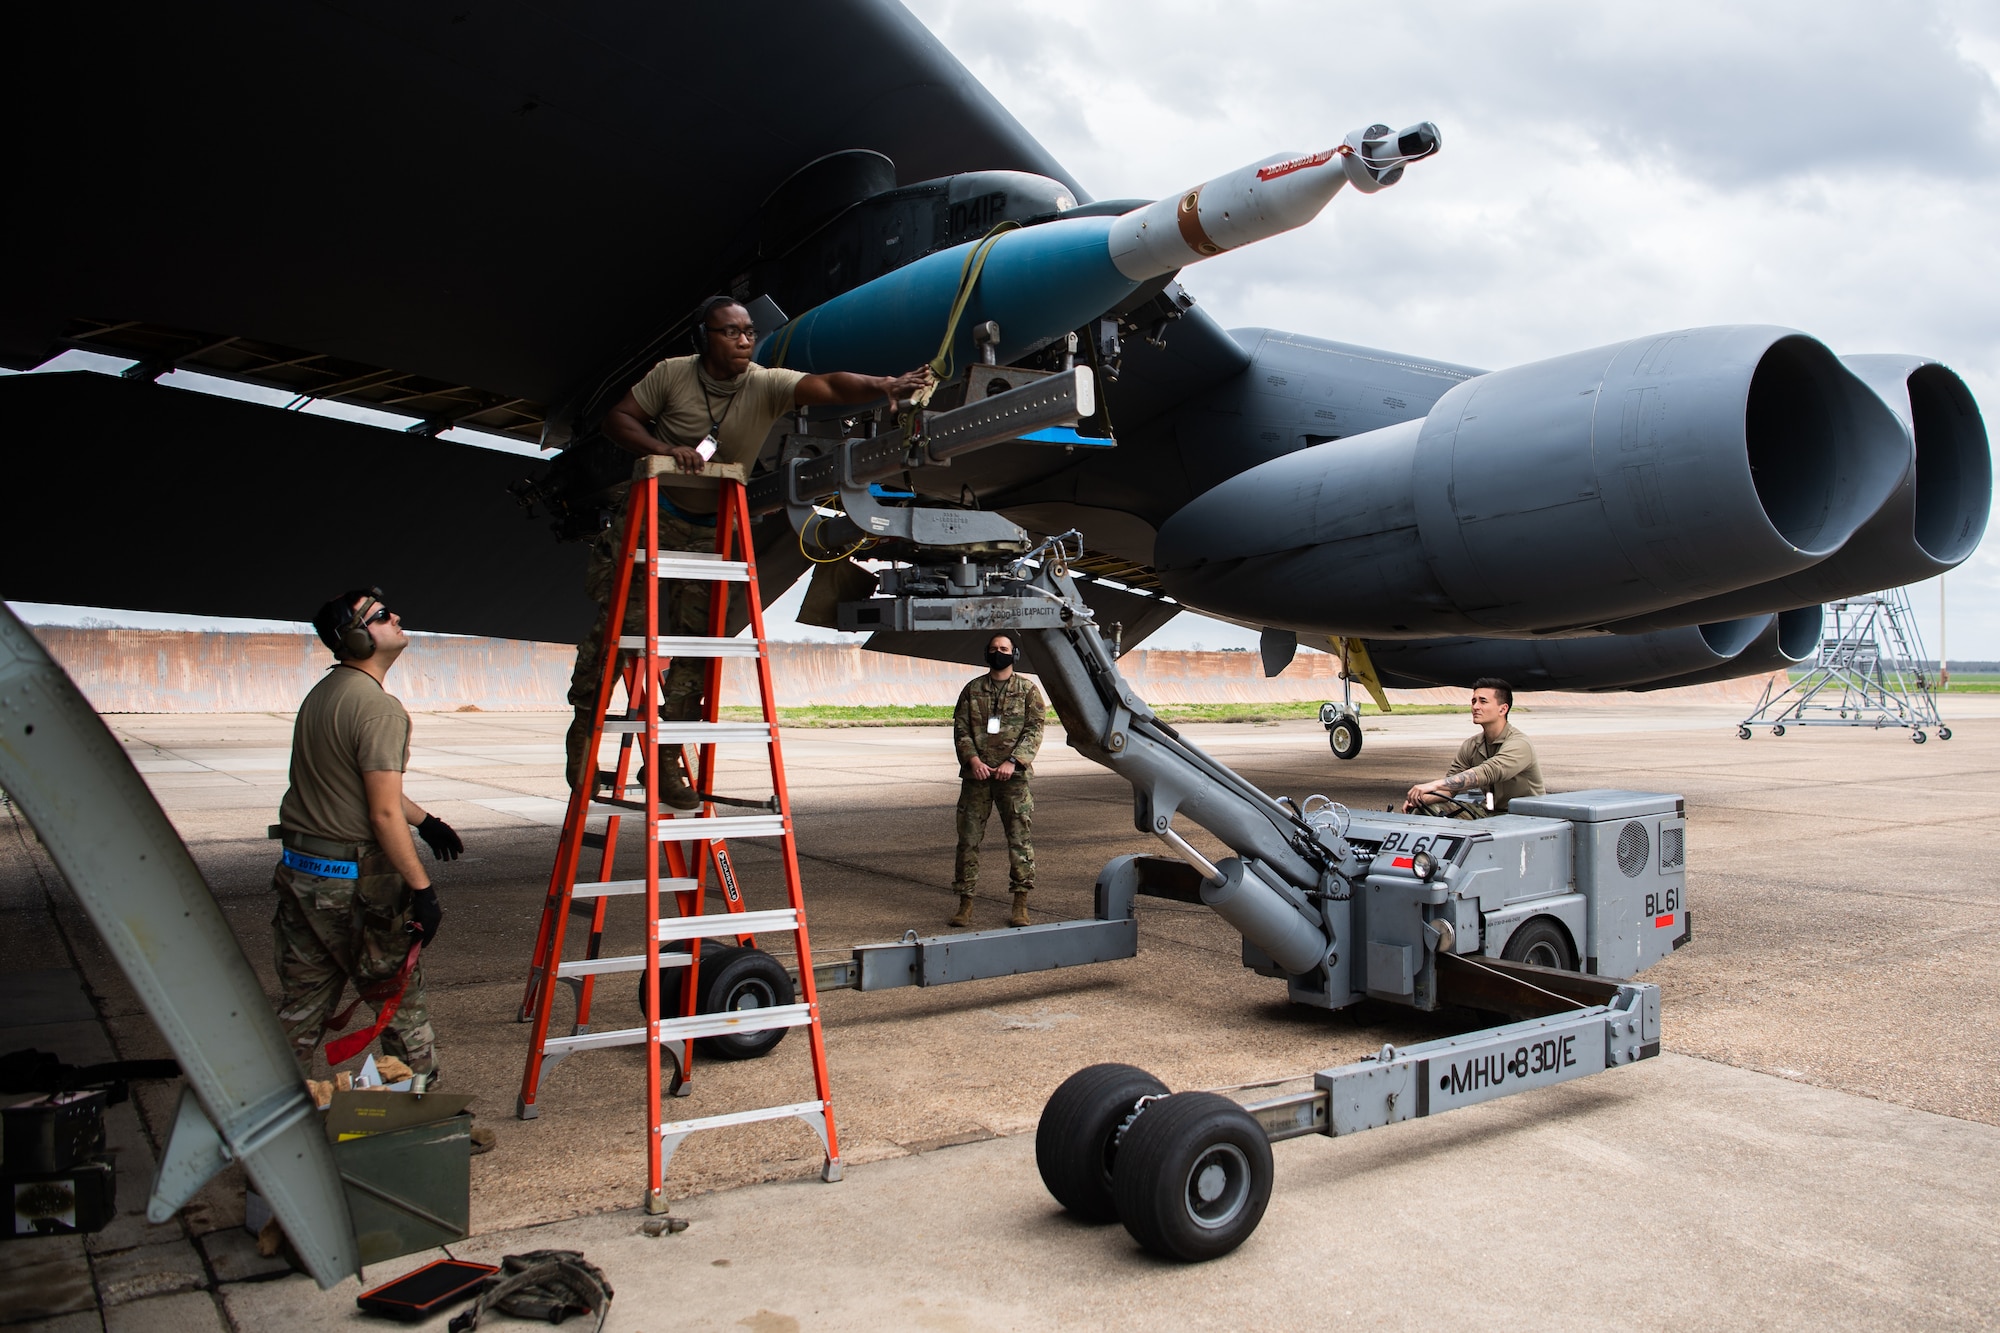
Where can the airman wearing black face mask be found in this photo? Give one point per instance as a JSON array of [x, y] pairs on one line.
[[997, 728]]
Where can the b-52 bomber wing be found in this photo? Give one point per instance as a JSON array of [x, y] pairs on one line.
[[500, 217]]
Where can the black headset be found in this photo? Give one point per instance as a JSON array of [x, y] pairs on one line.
[[698, 335], [356, 643]]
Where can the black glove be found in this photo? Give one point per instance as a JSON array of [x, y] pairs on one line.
[[425, 914], [445, 843]]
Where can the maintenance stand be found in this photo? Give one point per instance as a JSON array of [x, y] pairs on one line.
[[1870, 672]]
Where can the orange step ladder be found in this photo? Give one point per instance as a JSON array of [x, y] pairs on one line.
[[679, 849]]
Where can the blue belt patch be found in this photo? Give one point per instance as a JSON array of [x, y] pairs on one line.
[[699, 520], [321, 866]]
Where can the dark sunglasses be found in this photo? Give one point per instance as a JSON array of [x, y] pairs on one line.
[[381, 617]]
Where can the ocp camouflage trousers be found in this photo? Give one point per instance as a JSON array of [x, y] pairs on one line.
[[976, 803], [683, 611], [329, 932]]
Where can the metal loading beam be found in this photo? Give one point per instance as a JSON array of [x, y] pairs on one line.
[[1055, 400], [1412, 1082]]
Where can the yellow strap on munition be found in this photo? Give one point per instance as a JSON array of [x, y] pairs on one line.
[[782, 348], [944, 364]]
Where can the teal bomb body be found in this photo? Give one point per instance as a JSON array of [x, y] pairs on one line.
[[1038, 283]]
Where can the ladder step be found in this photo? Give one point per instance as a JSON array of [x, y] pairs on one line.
[[688, 829], [697, 566], [612, 888], [695, 733], [703, 733], [593, 1041], [717, 924], [741, 1118], [686, 646], [734, 1021], [591, 967]]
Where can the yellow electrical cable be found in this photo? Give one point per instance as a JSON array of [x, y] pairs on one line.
[[819, 518]]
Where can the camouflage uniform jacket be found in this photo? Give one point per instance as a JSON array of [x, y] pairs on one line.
[[1017, 704]]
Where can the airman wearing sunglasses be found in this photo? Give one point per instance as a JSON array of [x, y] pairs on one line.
[[715, 404], [354, 899]]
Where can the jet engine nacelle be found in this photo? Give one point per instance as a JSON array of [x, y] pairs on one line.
[[1661, 659], [1592, 662], [1933, 520], [1792, 638], [1558, 495]]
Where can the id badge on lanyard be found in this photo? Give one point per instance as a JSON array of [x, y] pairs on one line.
[[706, 448], [993, 726]]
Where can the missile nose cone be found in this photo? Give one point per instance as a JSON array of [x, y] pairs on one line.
[[1252, 203], [1375, 157]]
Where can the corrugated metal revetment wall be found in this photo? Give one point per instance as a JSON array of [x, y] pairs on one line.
[[173, 671]]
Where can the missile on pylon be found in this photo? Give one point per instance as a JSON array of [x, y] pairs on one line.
[[1039, 283]]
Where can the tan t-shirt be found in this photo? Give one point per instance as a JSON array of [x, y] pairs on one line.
[[347, 726], [684, 402], [1507, 767]]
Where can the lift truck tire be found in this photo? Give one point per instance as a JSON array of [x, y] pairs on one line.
[[1543, 942], [1192, 1176], [732, 977], [1076, 1142]]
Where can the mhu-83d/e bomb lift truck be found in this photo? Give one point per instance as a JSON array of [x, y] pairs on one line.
[[1542, 915]]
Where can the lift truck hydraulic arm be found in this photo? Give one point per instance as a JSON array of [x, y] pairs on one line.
[[1543, 913]]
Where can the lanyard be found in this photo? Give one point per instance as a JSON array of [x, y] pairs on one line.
[[714, 421]]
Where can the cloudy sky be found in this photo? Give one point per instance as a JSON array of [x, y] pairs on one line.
[[1609, 170]]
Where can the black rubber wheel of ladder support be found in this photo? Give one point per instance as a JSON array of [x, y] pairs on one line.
[[740, 979], [1543, 942], [672, 977], [1077, 1139], [1193, 1176], [727, 982]]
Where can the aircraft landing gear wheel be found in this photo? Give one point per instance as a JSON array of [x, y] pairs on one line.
[[1327, 713], [1076, 1141], [1918, 736], [1542, 943], [1743, 733], [1193, 1176], [1944, 733], [1345, 737], [1778, 730], [732, 978]]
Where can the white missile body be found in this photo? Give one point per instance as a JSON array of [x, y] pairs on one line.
[[1255, 202], [1040, 282]]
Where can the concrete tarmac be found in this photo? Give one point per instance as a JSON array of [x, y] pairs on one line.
[[1824, 1149]]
